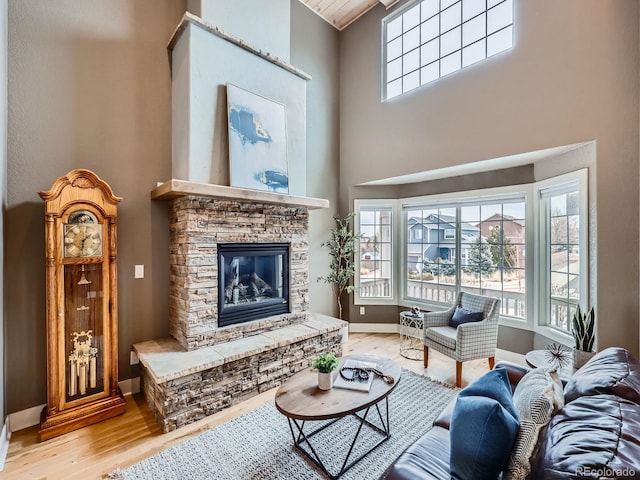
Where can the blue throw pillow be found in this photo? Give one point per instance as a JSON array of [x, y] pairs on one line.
[[484, 425], [462, 315]]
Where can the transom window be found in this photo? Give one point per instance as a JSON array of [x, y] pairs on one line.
[[432, 38]]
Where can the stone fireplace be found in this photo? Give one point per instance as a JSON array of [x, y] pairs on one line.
[[239, 314], [211, 362], [203, 230]]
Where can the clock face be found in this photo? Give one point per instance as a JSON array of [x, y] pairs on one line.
[[82, 235]]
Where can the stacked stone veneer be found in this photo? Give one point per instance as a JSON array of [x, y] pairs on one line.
[[202, 368], [198, 225], [232, 372]]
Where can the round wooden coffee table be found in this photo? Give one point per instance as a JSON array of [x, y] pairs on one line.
[[301, 401]]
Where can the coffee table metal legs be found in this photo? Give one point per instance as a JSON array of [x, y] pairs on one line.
[[301, 437]]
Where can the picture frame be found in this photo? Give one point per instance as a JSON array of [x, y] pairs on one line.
[[257, 141]]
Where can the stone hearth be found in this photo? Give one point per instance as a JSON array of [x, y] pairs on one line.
[[184, 386]]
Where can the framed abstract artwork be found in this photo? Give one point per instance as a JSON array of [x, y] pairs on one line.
[[257, 141]]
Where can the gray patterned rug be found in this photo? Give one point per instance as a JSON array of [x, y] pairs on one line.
[[258, 445]]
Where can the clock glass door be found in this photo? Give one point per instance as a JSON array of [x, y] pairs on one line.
[[84, 327]]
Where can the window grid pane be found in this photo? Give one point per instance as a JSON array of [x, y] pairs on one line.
[[375, 253], [477, 249], [564, 259], [450, 34]]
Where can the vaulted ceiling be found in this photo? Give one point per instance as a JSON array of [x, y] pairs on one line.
[[341, 13]]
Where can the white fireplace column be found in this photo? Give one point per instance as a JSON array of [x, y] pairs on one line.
[[204, 58], [266, 24]]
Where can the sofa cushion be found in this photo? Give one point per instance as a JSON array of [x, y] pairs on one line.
[[427, 458], [613, 370], [484, 425], [591, 437], [537, 398], [462, 315]]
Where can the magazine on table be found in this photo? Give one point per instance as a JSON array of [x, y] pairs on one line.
[[356, 383]]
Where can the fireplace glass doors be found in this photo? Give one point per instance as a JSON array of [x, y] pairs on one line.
[[253, 281]]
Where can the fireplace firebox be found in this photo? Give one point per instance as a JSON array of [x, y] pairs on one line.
[[253, 281]]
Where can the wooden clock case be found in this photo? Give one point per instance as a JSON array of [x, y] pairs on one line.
[[81, 304]]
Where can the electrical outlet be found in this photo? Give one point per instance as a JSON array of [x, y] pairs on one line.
[[361, 310], [133, 360], [138, 271]]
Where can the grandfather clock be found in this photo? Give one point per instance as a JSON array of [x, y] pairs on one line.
[[82, 304]]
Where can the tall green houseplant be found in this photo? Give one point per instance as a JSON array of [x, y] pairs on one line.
[[342, 246]]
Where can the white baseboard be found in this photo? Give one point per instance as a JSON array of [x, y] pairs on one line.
[[5, 436], [25, 418], [129, 386], [31, 416], [373, 327]]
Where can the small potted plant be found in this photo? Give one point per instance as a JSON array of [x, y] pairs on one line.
[[583, 328], [325, 363]]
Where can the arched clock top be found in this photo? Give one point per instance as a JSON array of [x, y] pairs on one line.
[[80, 184]]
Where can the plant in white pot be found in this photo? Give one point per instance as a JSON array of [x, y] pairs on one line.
[[325, 363], [583, 328]]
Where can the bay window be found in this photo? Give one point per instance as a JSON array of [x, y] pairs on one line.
[[526, 245]]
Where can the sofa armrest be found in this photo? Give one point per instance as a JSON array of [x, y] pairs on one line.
[[444, 419], [515, 371]]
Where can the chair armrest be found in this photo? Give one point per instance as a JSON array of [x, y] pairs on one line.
[[470, 330]]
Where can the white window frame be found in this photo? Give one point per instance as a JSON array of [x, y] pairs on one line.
[[392, 205], [452, 231], [485, 196], [465, 34], [560, 184], [536, 279]]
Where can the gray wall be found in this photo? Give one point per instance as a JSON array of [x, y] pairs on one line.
[[314, 49], [90, 87], [572, 76], [4, 48]]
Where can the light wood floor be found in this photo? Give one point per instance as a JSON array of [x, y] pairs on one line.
[[92, 452]]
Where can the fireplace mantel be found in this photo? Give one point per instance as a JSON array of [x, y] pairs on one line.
[[180, 188]]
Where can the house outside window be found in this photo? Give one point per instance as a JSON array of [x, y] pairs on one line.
[[433, 38], [491, 239]]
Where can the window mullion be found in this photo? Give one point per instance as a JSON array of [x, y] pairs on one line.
[[458, 248]]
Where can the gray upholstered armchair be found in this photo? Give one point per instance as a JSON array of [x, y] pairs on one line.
[[467, 341]]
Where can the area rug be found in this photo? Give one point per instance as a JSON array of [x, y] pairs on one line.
[[258, 444]]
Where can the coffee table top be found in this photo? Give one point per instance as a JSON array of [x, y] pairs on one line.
[[300, 398]]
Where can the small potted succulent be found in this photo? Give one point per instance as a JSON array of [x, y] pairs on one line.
[[325, 363], [583, 328]]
